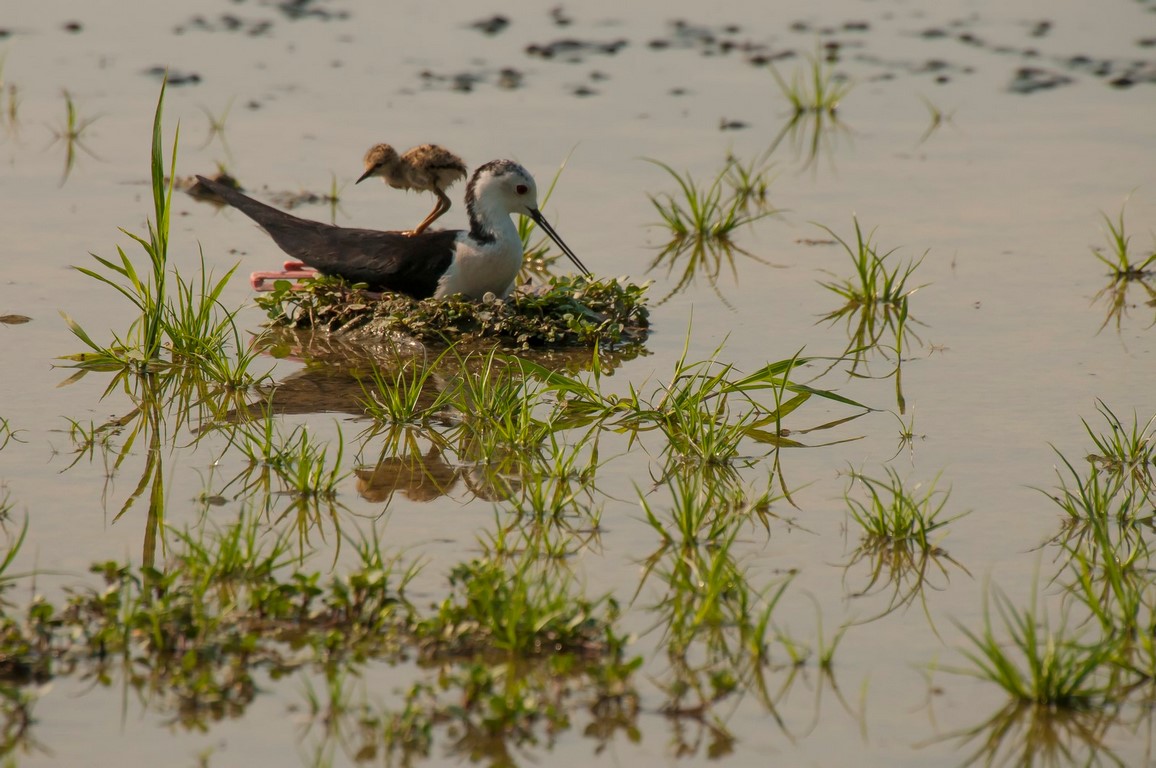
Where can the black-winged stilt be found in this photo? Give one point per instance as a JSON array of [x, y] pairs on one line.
[[425, 168], [439, 263]]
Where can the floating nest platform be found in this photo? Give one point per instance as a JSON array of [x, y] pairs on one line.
[[566, 312]]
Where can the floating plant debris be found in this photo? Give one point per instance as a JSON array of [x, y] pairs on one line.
[[568, 311], [492, 25], [571, 50], [173, 77], [302, 9], [559, 17], [226, 22], [1032, 79], [506, 78]]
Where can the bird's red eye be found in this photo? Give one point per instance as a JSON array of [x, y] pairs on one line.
[[522, 189]]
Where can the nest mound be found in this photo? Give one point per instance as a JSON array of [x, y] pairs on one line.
[[566, 312]]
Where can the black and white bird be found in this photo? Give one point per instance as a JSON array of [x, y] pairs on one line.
[[440, 263], [425, 168]]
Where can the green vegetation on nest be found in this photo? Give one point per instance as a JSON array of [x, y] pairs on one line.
[[570, 311]]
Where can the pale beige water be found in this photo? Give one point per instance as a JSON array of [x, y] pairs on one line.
[[1005, 199]]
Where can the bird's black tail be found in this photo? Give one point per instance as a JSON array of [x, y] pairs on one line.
[[267, 216]]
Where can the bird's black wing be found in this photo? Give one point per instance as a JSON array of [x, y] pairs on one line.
[[387, 261]]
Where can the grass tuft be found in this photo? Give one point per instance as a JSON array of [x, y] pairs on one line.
[[1037, 664], [874, 283], [714, 212], [189, 322], [1126, 452], [1118, 257], [814, 88], [893, 514]]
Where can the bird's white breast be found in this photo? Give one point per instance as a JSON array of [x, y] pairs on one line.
[[481, 268]]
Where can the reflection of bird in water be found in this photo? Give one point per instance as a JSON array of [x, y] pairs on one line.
[[484, 259], [427, 168], [419, 477], [488, 484]]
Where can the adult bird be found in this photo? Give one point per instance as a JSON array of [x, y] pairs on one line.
[[484, 259], [425, 168]]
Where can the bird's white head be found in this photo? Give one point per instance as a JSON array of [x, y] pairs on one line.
[[499, 189]]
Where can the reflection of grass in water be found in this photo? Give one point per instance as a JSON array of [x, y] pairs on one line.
[[907, 435], [217, 128], [162, 405], [897, 525], [303, 465], [1026, 734], [556, 484], [1109, 576], [1125, 269], [8, 434], [901, 570], [876, 304], [1115, 296], [809, 135], [696, 257], [482, 710], [71, 133], [938, 118], [716, 625]]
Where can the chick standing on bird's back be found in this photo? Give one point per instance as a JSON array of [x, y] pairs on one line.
[[484, 259]]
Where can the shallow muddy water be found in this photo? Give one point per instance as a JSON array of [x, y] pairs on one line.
[[1047, 119]]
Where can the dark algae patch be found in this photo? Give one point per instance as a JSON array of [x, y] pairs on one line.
[[568, 311]]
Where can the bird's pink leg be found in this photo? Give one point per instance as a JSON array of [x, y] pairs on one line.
[[261, 280]]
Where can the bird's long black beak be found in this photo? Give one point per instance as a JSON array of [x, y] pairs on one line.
[[540, 220], [365, 175]]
